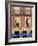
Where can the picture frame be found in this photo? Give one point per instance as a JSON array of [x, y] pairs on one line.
[[21, 22]]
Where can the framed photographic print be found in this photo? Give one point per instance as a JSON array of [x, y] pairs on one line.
[[21, 22]]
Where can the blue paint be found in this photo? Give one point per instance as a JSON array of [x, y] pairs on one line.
[[15, 35], [23, 34]]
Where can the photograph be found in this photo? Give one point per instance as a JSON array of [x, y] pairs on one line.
[[21, 22]]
